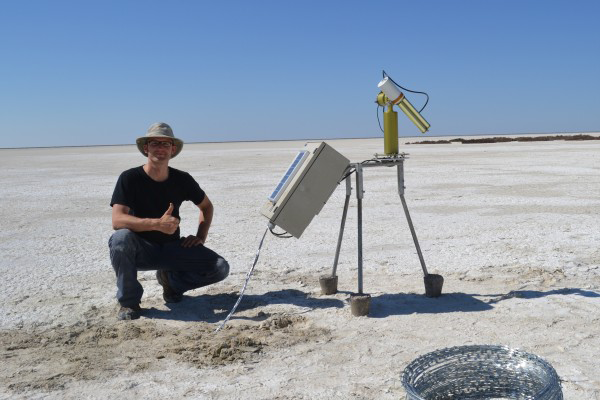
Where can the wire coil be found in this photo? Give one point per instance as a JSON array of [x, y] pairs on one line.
[[480, 372]]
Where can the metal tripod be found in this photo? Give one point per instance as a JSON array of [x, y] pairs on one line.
[[398, 161]]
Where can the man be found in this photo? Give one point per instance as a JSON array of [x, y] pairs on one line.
[[145, 215]]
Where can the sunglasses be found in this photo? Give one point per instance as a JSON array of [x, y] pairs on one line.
[[156, 143]]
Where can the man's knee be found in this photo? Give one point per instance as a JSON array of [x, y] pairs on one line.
[[122, 245], [222, 268], [121, 240]]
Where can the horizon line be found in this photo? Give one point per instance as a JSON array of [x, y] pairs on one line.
[[300, 139]]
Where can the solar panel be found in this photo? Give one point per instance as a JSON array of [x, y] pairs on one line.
[[289, 174]]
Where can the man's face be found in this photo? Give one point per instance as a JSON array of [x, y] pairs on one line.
[[160, 149]]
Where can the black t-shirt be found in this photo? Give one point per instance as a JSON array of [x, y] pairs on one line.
[[147, 198]]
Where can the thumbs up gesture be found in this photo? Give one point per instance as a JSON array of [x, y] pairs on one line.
[[167, 223]]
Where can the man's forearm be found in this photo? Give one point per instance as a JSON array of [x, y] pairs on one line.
[[135, 224], [204, 225], [203, 230]]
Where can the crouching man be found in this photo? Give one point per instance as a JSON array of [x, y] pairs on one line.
[[145, 216]]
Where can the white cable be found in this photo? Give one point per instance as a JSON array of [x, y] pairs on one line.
[[248, 275]]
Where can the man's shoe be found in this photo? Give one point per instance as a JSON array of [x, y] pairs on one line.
[[169, 295], [128, 313]]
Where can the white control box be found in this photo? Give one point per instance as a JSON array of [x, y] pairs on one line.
[[305, 187]]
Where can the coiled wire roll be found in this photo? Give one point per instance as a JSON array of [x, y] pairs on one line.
[[480, 372]]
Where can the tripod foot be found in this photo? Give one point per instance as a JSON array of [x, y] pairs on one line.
[[359, 304], [328, 284], [433, 285]]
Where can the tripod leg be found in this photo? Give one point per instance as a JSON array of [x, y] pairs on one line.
[[359, 197], [342, 225], [410, 224], [329, 283], [360, 302], [414, 235]]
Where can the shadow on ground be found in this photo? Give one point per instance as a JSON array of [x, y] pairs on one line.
[[409, 303], [214, 308], [405, 303], [535, 294]]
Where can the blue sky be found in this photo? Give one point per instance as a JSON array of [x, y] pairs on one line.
[[100, 72]]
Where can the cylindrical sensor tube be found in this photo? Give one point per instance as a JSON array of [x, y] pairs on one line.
[[390, 131]]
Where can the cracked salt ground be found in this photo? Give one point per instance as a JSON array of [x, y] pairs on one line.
[[511, 227]]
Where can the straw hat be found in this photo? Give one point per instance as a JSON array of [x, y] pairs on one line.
[[159, 130]]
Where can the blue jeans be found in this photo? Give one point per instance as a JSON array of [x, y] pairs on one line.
[[188, 267]]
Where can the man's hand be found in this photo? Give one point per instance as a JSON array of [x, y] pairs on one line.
[[192, 241], [167, 223]]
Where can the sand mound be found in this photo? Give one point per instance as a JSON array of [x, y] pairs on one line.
[[47, 360]]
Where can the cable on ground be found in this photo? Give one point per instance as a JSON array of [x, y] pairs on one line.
[[248, 275]]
